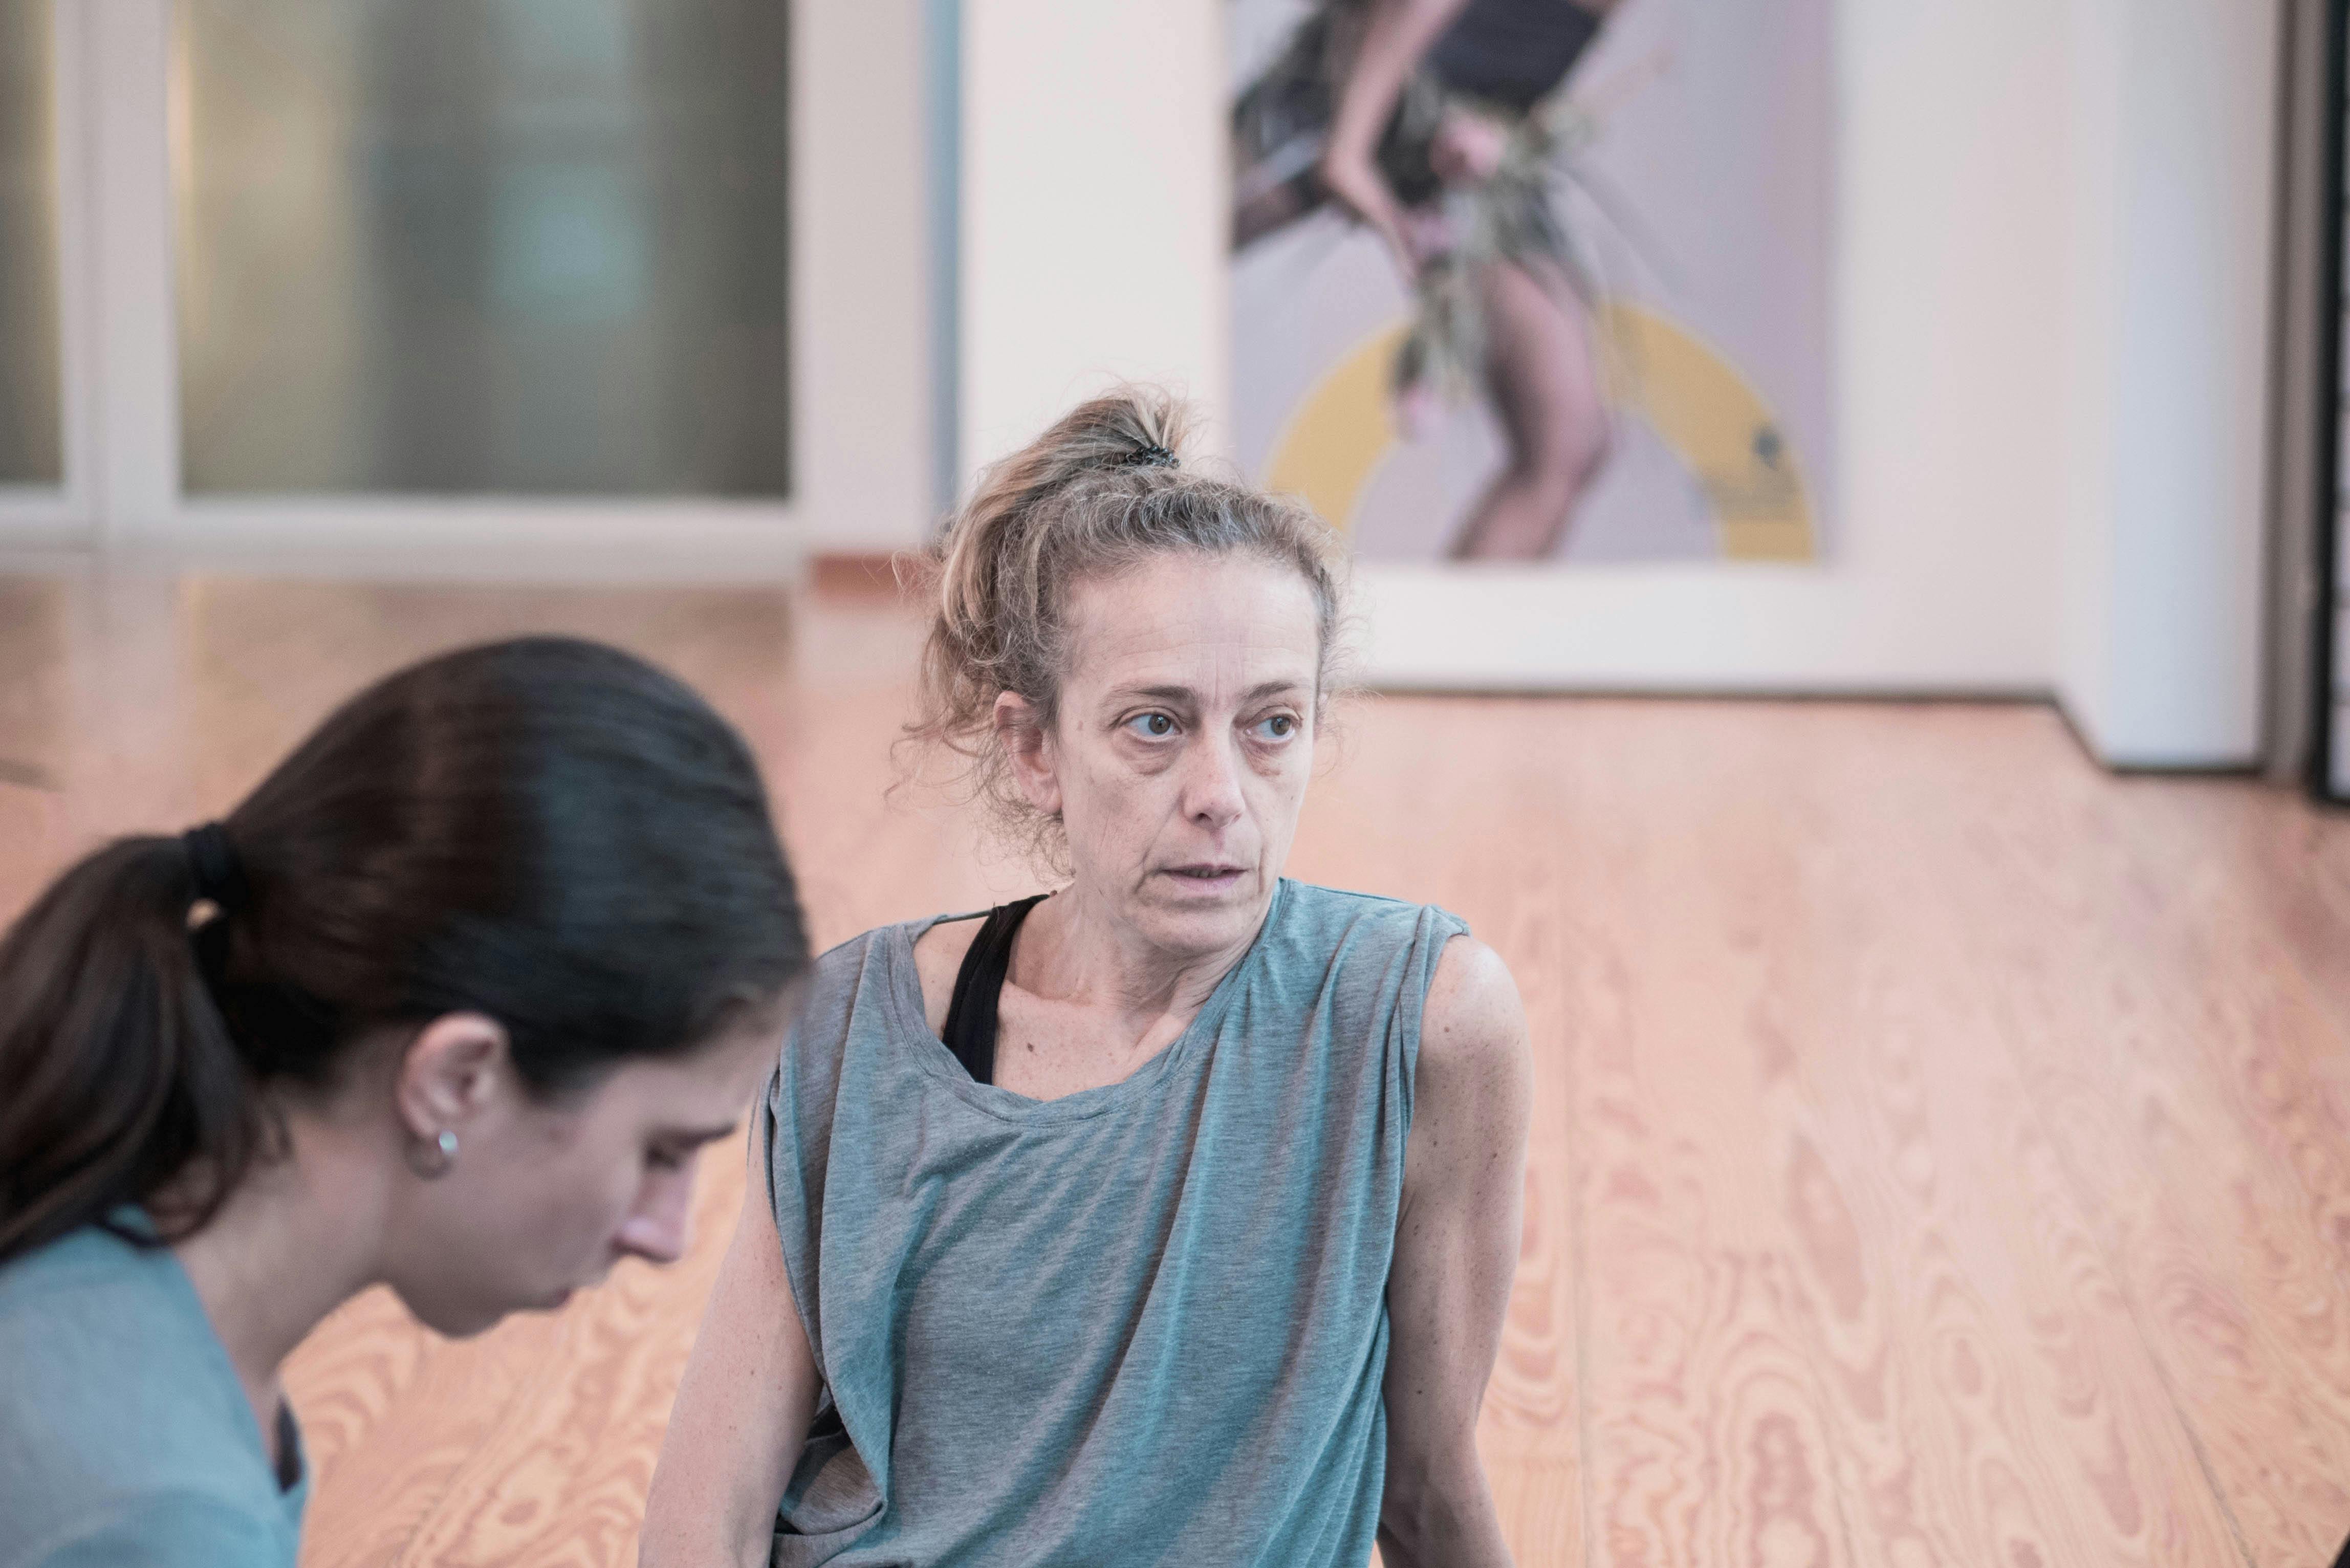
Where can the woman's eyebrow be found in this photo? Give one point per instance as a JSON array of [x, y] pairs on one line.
[[1184, 695], [1176, 695]]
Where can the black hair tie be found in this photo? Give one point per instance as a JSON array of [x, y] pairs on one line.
[[1152, 456], [219, 873]]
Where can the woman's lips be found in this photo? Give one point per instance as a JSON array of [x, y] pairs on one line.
[[1206, 878]]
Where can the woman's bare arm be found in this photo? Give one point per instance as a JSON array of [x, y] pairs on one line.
[[1398, 34], [1456, 1250], [741, 1412]]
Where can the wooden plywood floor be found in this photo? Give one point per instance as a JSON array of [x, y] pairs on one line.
[[1942, 1153]]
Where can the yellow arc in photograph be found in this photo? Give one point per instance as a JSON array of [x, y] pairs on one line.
[[1704, 411]]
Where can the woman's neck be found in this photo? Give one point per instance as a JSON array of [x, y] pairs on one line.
[[299, 1237], [1077, 949]]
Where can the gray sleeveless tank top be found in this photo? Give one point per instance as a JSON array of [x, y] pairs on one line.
[[1142, 1322]]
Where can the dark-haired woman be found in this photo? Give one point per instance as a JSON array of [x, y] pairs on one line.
[[1170, 1217], [448, 1003]]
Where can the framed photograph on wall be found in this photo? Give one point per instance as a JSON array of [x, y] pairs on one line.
[[1537, 282]]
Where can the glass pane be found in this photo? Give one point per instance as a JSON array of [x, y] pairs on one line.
[[32, 449], [449, 246]]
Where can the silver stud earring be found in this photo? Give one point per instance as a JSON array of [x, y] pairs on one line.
[[433, 1159]]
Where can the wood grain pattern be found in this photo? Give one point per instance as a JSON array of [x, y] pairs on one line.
[[2189, 1113], [1983, 1334], [1710, 1437], [1942, 1150]]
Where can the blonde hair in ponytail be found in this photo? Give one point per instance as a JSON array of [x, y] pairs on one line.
[[1099, 493]]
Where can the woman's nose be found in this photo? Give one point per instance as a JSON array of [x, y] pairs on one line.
[[659, 1229], [1211, 787]]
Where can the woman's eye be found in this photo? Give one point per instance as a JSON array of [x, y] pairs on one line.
[[1157, 726], [665, 1159], [1280, 727]]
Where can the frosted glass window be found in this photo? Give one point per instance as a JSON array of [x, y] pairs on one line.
[[476, 245], [31, 435]]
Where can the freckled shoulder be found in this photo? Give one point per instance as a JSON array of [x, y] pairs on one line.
[[1472, 1033], [937, 958]]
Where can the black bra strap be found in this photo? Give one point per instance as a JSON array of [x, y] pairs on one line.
[[969, 1030]]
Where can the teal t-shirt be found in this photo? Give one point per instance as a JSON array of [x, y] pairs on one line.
[[125, 1437]]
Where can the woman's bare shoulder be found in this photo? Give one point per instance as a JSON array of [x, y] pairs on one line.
[[1473, 1020]]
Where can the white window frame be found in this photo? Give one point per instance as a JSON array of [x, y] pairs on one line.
[[122, 490]]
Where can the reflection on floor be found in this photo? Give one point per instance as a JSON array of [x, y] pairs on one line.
[[1942, 1152]]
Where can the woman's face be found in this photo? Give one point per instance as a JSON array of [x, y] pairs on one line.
[[1183, 744], [544, 1197]]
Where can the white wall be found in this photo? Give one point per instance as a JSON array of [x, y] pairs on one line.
[[2174, 177], [2052, 282], [861, 414], [1094, 209]]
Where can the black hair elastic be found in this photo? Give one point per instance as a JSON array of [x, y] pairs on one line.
[[219, 873], [1152, 456]]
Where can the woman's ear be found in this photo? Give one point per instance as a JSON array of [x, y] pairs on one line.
[[1020, 730], [455, 1067]]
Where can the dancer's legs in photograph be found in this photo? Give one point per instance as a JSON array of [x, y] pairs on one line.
[[1542, 371]]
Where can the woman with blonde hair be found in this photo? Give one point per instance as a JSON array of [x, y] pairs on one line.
[[1170, 1216]]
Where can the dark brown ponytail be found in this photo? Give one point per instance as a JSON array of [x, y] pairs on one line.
[[546, 831], [115, 1067]]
